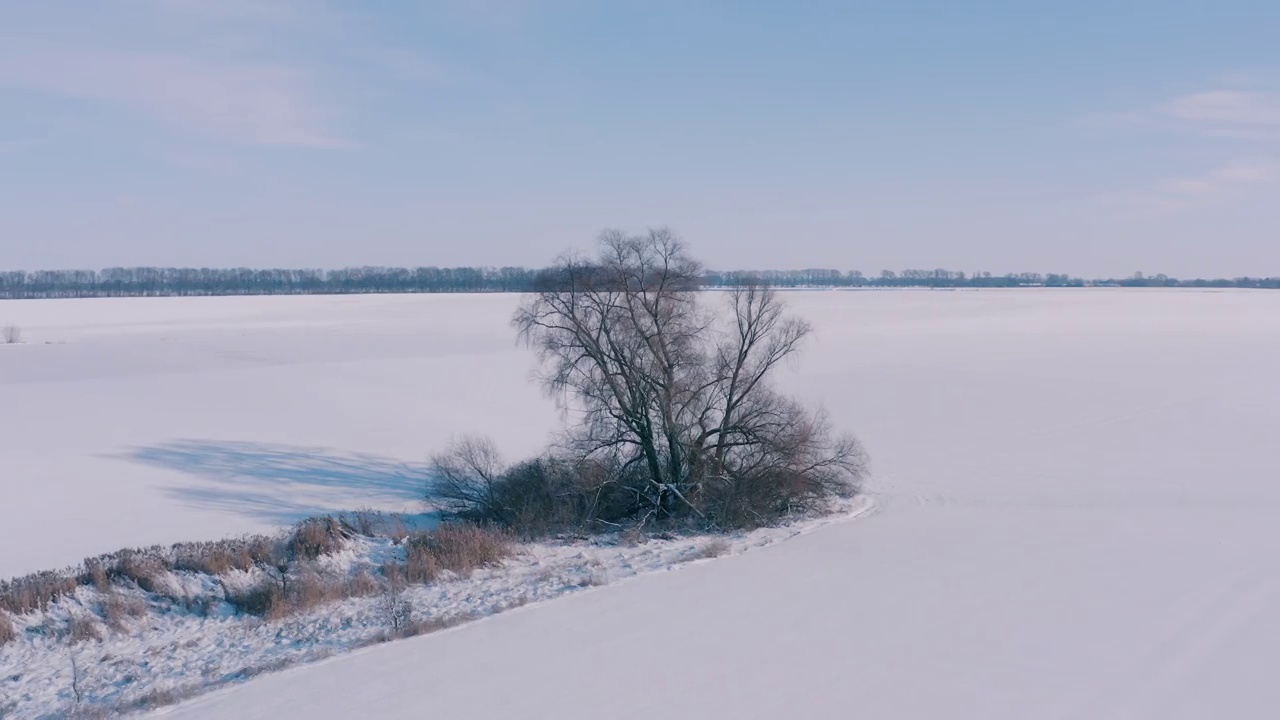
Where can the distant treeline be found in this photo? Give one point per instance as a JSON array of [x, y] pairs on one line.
[[149, 281]]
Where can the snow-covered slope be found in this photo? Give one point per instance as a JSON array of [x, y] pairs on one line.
[[159, 420], [185, 639], [1078, 500]]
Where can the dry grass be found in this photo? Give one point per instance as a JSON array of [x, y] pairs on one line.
[[301, 589], [82, 628], [395, 574], [155, 699], [288, 583], [514, 603], [631, 537], [463, 548], [263, 599], [413, 628], [711, 549], [12, 334], [96, 573], [456, 548], [222, 556], [395, 529], [35, 592], [254, 671], [363, 521], [435, 624], [594, 578], [363, 584], [375, 523], [88, 712], [316, 537], [150, 568], [421, 565], [310, 589], [147, 568], [118, 609], [8, 631]]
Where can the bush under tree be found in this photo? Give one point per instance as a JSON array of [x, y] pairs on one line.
[[676, 417]]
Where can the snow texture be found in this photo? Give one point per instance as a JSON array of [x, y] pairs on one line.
[[1076, 496], [180, 649]]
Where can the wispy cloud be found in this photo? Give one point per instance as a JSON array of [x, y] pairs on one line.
[[1242, 108], [248, 102], [1248, 114], [226, 69], [1213, 186]]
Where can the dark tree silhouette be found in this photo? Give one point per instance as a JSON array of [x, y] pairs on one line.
[[676, 414], [151, 281]]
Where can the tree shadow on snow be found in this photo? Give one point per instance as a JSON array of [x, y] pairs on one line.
[[282, 484]]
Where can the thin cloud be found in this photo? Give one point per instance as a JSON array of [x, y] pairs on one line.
[[1249, 114], [243, 71], [1247, 173], [258, 103], [1216, 185]]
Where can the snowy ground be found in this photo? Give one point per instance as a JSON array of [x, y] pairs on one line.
[[1076, 496], [173, 652], [160, 420]]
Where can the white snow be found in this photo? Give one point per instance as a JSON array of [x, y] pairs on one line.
[[1076, 499], [179, 652], [159, 420]]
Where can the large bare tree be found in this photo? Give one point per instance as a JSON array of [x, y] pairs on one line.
[[676, 392]]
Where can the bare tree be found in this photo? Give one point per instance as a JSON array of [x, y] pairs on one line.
[[12, 334], [396, 610], [467, 478], [675, 395]]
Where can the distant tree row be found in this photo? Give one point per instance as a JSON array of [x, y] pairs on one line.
[[952, 279], [150, 281]]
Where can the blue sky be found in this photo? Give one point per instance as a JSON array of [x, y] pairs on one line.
[[1096, 138]]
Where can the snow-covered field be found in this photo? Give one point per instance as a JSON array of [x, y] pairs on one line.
[[1076, 498], [156, 420], [190, 640]]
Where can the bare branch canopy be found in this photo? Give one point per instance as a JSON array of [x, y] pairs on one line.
[[671, 389]]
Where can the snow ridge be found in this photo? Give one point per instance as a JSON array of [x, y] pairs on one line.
[[177, 652]]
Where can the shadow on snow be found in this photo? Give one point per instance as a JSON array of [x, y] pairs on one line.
[[283, 484]]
